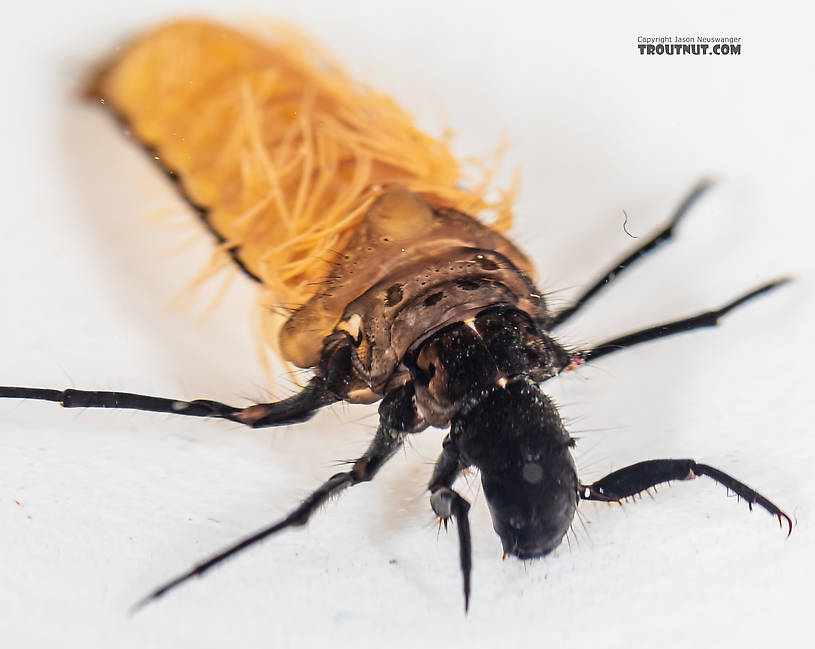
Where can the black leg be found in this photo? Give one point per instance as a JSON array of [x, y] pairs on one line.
[[654, 242], [446, 503], [299, 407], [706, 319], [389, 438], [639, 477]]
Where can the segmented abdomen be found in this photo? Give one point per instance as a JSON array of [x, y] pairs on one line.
[[280, 148]]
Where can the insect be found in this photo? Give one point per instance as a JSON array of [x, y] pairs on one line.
[[420, 306]]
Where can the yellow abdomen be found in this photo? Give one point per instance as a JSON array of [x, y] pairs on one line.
[[281, 149]]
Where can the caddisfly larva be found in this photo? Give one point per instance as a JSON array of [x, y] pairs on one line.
[[325, 193]]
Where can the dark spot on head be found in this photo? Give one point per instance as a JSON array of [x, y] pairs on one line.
[[393, 295], [386, 239], [430, 300], [486, 264], [467, 284]]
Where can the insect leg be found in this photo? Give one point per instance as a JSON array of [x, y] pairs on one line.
[[446, 503], [388, 439], [666, 234], [705, 319], [638, 477], [296, 408]]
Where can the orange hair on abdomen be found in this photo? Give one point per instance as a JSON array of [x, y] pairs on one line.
[[281, 149]]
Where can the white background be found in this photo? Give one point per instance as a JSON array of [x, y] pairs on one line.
[[97, 508]]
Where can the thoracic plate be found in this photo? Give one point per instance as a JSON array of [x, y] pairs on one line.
[[411, 270]]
